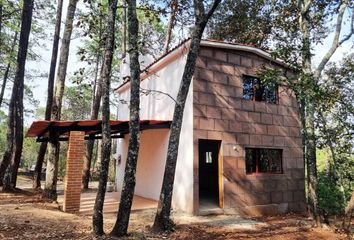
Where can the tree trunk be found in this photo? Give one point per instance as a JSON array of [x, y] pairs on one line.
[[1, 6], [0, 21], [53, 63], [309, 112], [50, 190], [312, 162], [162, 217], [98, 156], [95, 107], [12, 155], [122, 222], [171, 24], [7, 70], [97, 218], [348, 214], [124, 30]]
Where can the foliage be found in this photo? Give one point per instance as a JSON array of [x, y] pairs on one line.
[[29, 152], [151, 33], [330, 199], [298, 26], [334, 191], [9, 36], [336, 110], [62, 159], [77, 102], [247, 22]]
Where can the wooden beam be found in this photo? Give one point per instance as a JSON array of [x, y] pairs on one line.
[[65, 138]]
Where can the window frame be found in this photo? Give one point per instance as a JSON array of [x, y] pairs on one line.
[[253, 99], [257, 161]]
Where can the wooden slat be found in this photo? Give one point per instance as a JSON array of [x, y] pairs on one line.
[[220, 178]]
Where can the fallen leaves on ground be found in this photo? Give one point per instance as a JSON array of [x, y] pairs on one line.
[[26, 215]]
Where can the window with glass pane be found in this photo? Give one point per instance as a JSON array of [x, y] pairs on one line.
[[254, 90], [208, 157], [260, 160], [250, 161]]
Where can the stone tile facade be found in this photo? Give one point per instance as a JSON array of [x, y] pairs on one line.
[[220, 113]]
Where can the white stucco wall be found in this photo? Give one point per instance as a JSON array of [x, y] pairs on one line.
[[183, 187], [150, 168], [153, 148], [156, 105]]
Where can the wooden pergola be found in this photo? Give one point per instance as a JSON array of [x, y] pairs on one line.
[[92, 128], [76, 132]]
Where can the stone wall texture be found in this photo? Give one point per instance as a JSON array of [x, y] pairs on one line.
[[220, 113]]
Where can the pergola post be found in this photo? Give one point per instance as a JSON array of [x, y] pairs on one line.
[[74, 166]]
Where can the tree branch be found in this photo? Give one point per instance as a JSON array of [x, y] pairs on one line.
[[199, 10], [212, 9], [350, 33], [335, 42], [148, 91], [304, 6]]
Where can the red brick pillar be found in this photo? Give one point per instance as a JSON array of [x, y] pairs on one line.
[[74, 165]]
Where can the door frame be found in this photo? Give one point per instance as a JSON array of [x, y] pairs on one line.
[[220, 178], [220, 170]]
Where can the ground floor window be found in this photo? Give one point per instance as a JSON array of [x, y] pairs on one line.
[[263, 160]]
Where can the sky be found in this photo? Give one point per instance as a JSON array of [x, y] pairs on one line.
[[40, 84]]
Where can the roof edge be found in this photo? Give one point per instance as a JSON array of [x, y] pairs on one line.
[[160, 63], [245, 48], [181, 49]]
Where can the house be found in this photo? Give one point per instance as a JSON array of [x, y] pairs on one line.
[[240, 149]]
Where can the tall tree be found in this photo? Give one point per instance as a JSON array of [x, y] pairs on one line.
[[121, 226], [50, 190], [124, 30], [171, 24], [1, 6], [335, 135], [299, 25], [312, 77], [96, 29], [162, 218], [10, 21], [7, 69], [348, 213], [97, 219], [12, 155], [53, 63]]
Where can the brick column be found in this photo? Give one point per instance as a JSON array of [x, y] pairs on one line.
[[74, 165]]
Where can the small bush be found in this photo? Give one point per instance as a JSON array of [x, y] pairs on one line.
[[330, 195]]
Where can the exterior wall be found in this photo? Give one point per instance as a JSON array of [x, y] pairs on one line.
[[154, 104], [153, 148], [150, 167], [220, 113]]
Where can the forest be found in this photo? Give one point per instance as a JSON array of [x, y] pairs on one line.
[[62, 61]]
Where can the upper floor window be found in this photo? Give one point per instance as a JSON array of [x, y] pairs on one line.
[[254, 90], [263, 160]]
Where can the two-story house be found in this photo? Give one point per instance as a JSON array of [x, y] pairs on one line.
[[240, 149]]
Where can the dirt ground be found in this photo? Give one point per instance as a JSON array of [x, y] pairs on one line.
[[25, 215]]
